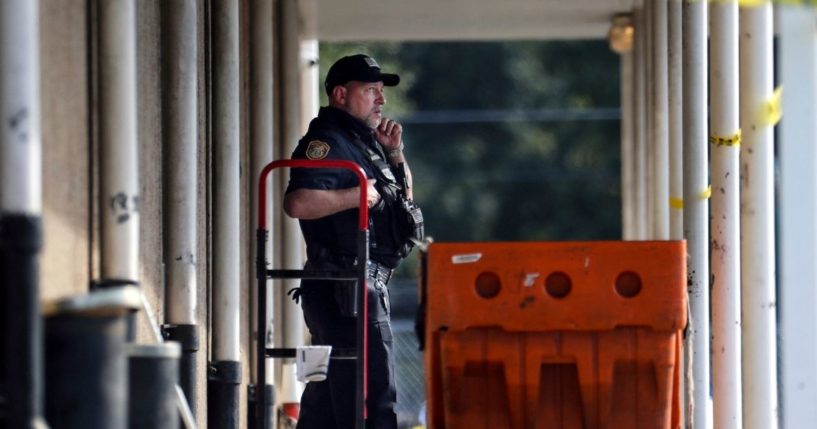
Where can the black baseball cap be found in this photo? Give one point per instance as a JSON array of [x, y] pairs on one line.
[[358, 67]]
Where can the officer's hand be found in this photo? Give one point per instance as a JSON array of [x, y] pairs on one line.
[[372, 196], [389, 134]]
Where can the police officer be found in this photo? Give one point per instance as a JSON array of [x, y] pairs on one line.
[[352, 127]]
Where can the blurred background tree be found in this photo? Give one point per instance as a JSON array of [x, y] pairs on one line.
[[507, 141]]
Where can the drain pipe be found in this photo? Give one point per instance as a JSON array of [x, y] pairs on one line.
[[119, 169], [675, 130], [757, 218], [696, 206], [21, 350], [225, 368], [261, 141], [724, 151], [640, 114], [292, 248], [621, 37], [180, 122], [659, 109]]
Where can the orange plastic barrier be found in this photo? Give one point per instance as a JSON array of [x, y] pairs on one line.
[[554, 335]]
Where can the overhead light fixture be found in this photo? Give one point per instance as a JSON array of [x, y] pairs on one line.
[[621, 33]]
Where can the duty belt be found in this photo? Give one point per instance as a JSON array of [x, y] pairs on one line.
[[378, 272]]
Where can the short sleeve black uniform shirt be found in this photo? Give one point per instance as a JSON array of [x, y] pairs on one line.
[[332, 136]]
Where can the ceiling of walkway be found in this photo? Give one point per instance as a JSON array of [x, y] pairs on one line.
[[426, 20]]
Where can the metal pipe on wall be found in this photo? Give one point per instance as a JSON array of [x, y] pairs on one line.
[[261, 142], [627, 83], [310, 82], [119, 169], [620, 37], [758, 301], [675, 112], [21, 328], [640, 114], [696, 204], [676, 146], [798, 211], [660, 121], [649, 143], [180, 193], [292, 246], [225, 367], [725, 224]]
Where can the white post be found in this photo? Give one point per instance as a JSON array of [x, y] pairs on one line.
[[224, 376], [627, 83], [20, 137], [180, 123], [180, 192], [676, 146], [649, 97], [757, 219], [293, 244], [798, 210], [20, 215], [261, 141], [640, 114], [696, 205], [676, 134], [292, 247], [119, 166], [725, 225], [311, 87], [226, 202], [660, 133]]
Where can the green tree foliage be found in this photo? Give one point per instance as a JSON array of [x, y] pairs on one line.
[[494, 151]]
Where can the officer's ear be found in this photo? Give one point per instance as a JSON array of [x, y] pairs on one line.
[[339, 94]]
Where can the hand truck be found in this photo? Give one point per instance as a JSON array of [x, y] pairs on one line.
[[356, 273]]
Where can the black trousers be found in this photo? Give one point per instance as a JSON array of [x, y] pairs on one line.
[[330, 404]]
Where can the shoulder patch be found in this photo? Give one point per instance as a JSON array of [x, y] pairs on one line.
[[317, 150]]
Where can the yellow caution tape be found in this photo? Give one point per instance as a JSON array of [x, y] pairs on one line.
[[733, 140], [706, 193], [676, 203], [752, 3], [772, 109]]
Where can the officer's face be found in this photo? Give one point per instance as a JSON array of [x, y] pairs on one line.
[[365, 100]]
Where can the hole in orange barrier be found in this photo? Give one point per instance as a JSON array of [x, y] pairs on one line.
[[628, 284], [558, 285], [487, 285]]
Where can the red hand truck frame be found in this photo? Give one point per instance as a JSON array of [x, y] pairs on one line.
[[356, 273]]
